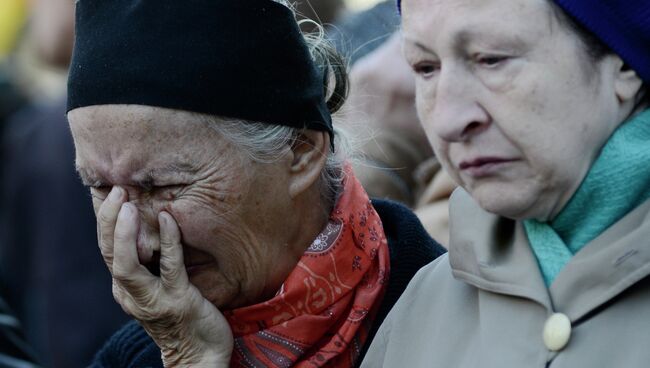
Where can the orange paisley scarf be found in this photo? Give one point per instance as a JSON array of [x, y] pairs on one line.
[[321, 315]]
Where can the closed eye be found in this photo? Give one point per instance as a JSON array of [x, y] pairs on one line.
[[425, 69], [491, 61], [169, 192], [100, 191]]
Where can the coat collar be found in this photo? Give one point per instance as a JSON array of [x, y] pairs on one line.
[[493, 254]]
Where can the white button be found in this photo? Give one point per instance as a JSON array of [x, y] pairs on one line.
[[557, 331]]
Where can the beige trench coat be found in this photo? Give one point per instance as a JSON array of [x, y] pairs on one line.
[[485, 304]]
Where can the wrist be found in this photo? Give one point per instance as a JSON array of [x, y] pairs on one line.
[[211, 360]]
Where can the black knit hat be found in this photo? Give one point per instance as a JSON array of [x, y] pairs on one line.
[[242, 59]]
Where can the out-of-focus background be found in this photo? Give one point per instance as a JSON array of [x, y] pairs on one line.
[[358, 5]]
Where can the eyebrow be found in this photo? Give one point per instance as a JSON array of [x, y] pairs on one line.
[[419, 45], [146, 179]]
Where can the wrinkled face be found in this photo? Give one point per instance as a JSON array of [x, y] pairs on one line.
[[513, 107], [228, 209]]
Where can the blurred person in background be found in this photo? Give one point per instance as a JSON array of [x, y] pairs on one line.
[[13, 15], [51, 274], [356, 34], [14, 350], [397, 162]]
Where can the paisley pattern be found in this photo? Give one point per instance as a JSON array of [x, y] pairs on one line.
[[326, 239], [321, 315]]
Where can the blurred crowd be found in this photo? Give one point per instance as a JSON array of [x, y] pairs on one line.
[[52, 278]]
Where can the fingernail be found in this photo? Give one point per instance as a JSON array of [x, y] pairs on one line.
[[163, 218], [116, 193], [128, 209]]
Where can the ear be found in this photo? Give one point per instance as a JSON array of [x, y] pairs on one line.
[[310, 152], [627, 83]]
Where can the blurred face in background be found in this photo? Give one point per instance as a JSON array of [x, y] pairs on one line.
[[52, 30], [515, 109]]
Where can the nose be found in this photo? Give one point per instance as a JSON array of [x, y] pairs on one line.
[[457, 114]]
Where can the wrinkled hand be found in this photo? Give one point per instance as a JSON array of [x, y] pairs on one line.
[[189, 330]]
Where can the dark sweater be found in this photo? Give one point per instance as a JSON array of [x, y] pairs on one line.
[[410, 246]]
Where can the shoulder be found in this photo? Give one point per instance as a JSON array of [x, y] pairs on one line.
[[427, 281], [433, 298], [411, 248], [414, 319], [129, 347]]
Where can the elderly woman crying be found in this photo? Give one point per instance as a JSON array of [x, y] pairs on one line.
[[539, 110], [235, 234]]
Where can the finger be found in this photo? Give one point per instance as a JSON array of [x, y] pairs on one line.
[[127, 270], [106, 218], [172, 268], [124, 300]]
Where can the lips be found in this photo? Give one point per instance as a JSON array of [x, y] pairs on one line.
[[484, 166]]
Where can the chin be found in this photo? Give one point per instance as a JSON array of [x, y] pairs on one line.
[[506, 200]]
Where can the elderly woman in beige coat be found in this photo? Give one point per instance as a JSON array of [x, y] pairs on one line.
[[539, 111]]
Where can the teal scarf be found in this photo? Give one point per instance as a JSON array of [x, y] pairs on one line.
[[618, 181]]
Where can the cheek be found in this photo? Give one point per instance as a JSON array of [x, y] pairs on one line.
[[442, 154], [202, 225], [424, 99], [425, 106]]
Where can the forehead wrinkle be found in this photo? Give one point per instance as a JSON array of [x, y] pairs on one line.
[[486, 15], [466, 37]]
